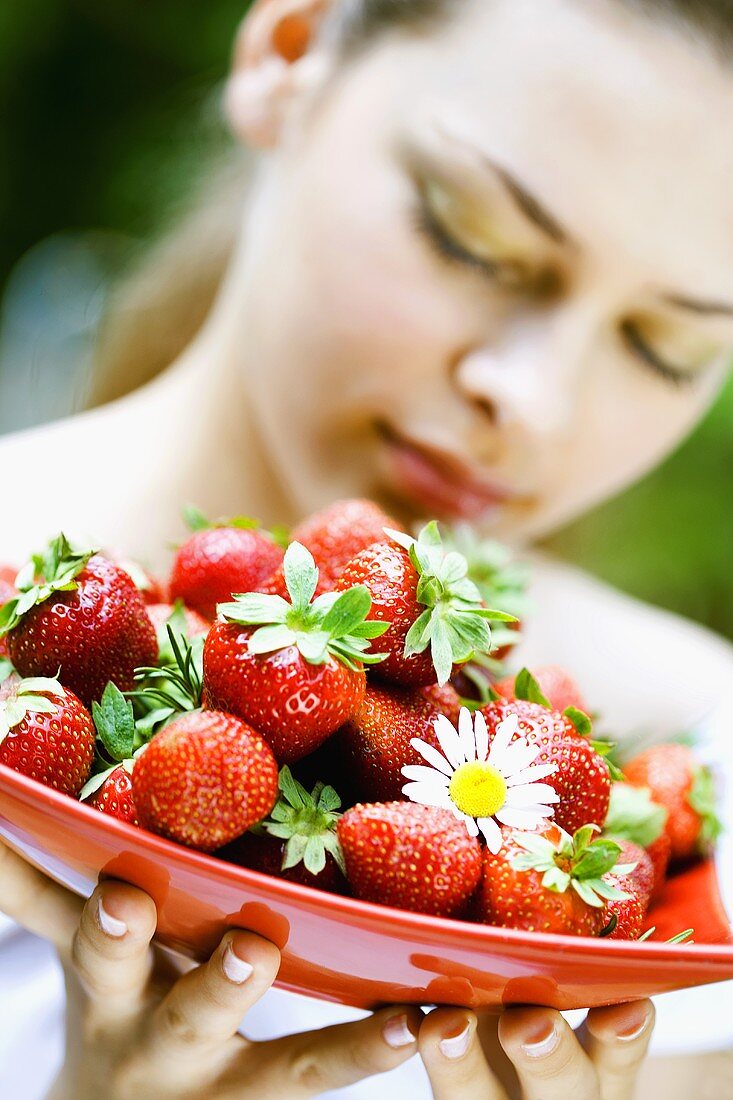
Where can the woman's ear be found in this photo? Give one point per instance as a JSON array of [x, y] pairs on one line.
[[272, 66]]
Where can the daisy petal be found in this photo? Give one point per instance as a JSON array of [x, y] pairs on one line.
[[421, 774], [525, 819], [433, 757], [492, 834], [425, 795], [449, 741], [466, 734], [505, 731], [481, 735], [517, 757], [530, 774], [530, 794], [470, 824]]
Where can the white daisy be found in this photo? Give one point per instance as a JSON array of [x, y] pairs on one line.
[[483, 785]]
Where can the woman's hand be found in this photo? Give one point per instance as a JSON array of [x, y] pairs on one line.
[[136, 1029], [532, 1053]]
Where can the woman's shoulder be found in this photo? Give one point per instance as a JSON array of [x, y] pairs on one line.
[[643, 666]]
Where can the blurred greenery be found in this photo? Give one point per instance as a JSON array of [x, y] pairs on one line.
[[109, 113]]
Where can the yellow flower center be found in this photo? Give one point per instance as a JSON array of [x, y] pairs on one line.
[[478, 789]]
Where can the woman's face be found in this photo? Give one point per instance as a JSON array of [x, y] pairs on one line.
[[489, 272]]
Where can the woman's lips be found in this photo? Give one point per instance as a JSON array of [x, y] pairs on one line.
[[439, 483]]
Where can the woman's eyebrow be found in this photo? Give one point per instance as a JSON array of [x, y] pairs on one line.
[[526, 202], [699, 305]]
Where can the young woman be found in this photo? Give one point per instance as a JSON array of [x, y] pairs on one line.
[[483, 270]]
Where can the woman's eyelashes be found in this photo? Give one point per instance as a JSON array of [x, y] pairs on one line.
[[635, 342]]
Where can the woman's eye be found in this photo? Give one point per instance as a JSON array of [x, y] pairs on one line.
[[445, 241], [640, 345]]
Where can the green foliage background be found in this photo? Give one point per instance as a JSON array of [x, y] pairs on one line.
[[106, 118]]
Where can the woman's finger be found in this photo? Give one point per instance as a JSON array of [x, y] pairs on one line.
[[550, 1062], [206, 1006], [111, 950], [34, 901], [452, 1054], [617, 1040], [335, 1057]]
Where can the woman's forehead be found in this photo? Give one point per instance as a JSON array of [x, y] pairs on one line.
[[621, 127]]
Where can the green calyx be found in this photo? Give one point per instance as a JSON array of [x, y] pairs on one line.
[[331, 625], [32, 696], [454, 624], [53, 570], [501, 580], [171, 687], [577, 861], [702, 798], [307, 824], [195, 520], [119, 741], [632, 815]]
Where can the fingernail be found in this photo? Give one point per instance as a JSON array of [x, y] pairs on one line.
[[455, 1046], [397, 1032], [237, 970], [633, 1022], [111, 926], [542, 1042]]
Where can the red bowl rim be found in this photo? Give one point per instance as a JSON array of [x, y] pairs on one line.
[[473, 934]]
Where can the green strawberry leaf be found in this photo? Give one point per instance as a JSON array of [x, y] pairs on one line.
[[632, 815], [115, 723], [607, 750], [301, 575], [306, 822], [53, 570], [597, 859], [254, 608], [582, 721], [528, 689], [702, 798], [348, 612], [268, 639]]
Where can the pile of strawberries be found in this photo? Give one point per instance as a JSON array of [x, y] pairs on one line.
[[226, 709]]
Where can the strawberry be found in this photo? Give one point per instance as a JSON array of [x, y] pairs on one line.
[[183, 621], [633, 816], [434, 612], [203, 780], [46, 733], [220, 560], [411, 857], [685, 789], [549, 882], [151, 589], [640, 880], [79, 615], [334, 536], [298, 841], [582, 779], [299, 675], [375, 745], [626, 915], [7, 592], [556, 685], [118, 745]]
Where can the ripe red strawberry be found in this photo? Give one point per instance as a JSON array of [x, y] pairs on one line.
[[334, 536], [114, 796], [549, 882], [46, 733], [118, 744], [557, 685], [411, 857], [298, 841], [434, 612], [640, 881], [7, 592], [633, 816], [219, 561], [676, 781], [375, 745], [203, 780], [299, 675], [582, 779], [80, 615], [151, 588]]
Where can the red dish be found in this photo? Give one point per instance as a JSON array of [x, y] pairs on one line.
[[355, 953]]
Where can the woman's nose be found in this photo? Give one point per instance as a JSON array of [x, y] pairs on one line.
[[530, 381]]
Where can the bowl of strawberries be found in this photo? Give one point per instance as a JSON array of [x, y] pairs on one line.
[[311, 736]]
